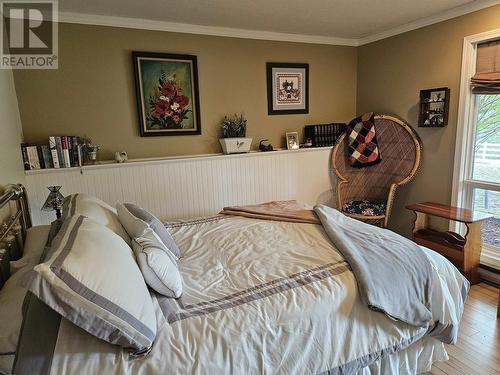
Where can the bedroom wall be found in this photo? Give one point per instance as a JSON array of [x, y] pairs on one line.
[[92, 93], [391, 72], [11, 165]]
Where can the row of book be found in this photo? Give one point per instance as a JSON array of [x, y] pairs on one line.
[[61, 152], [323, 135]]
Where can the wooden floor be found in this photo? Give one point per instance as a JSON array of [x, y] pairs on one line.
[[478, 347]]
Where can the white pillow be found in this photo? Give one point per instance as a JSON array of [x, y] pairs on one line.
[[91, 278], [155, 224], [157, 264], [134, 226], [96, 209]]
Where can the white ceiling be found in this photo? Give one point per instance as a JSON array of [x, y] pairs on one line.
[[351, 20]]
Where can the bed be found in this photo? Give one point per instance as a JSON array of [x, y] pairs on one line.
[[259, 296], [21, 247]]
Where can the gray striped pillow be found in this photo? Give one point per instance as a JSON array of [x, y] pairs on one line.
[[156, 225], [91, 278]]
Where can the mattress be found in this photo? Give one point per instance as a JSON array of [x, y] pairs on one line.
[[260, 297]]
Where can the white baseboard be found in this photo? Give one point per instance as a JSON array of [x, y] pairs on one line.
[[490, 276]]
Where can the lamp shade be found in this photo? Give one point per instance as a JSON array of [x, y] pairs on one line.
[[55, 199]]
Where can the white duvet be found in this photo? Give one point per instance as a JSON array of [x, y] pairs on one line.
[[268, 297]]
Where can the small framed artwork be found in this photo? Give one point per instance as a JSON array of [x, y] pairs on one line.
[[292, 141], [287, 88], [167, 94], [434, 107]]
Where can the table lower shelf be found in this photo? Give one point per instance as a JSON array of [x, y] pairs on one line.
[[452, 246]]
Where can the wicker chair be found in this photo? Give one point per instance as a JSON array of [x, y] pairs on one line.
[[400, 149]]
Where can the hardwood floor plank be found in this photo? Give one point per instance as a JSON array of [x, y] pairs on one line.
[[478, 348]]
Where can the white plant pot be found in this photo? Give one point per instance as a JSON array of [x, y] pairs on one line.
[[235, 145]]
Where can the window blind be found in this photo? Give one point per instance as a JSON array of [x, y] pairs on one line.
[[487, 77]]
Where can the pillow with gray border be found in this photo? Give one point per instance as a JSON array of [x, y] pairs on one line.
[[156, 225]]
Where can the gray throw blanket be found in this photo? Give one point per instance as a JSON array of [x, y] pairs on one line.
[[393, 273]]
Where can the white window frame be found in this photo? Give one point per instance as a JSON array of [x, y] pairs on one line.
[[463, 184]]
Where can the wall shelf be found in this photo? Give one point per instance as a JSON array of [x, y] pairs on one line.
[[168, 159]]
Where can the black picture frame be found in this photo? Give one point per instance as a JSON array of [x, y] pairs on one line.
[[193, 105], [434, 107], [272, 105]]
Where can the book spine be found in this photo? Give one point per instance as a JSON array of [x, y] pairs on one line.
[[60, 152], [67, 161], [80, 155], [40, 156], [47, 158], [33, 157], [74, 148], [307, 133], [53, 152], [69, 140], [26, 161]]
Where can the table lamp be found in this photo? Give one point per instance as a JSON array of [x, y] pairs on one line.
[[54, 201]]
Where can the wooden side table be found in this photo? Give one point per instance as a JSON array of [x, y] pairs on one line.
[[498, 307], [464, 252]]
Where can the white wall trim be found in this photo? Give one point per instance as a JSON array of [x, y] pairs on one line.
[[107, 164], [490, 256], [195, 187], [465, 131], [145, 24], [465, 115], [440, 17], [137, 23]]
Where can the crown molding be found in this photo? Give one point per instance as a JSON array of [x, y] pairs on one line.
[[452, 13], [144, 24]]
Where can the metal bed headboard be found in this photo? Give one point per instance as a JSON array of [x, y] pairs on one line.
[[13, 232]]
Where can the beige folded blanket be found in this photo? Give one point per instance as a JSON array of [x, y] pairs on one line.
[[291, 211]]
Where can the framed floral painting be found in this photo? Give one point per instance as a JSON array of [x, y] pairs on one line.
[[167, 94], [287, 88]]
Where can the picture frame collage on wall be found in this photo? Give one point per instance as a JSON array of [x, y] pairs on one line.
[[167, 93]]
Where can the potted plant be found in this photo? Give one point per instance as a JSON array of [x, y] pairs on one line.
[[234, 129], [89, 150]]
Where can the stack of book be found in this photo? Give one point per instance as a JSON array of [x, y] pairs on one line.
[[61, 152], [323, 135]]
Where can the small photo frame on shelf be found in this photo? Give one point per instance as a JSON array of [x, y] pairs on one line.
[[292, 141], [287, 88], [434, 104]]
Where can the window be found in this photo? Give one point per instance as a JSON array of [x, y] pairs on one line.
[[486, 168], [476, 182]]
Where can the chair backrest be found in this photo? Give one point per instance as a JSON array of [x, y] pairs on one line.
[[400, 149]]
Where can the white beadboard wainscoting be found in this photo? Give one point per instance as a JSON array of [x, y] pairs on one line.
[[194, 186]]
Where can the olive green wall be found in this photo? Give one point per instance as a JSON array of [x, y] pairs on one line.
[[92, 93], [391, 72]]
